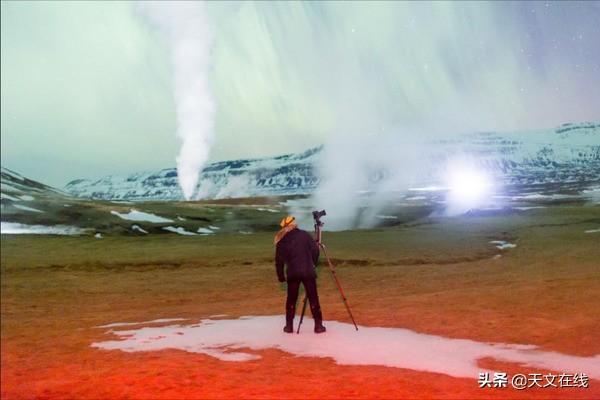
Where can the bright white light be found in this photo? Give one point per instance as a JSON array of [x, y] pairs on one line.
[[468, 186]]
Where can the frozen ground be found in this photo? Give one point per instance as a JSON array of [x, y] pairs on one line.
[[238, 339]]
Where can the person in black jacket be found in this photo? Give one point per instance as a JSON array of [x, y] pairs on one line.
[[299, 251]]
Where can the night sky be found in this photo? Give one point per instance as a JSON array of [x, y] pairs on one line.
[[86, 86]]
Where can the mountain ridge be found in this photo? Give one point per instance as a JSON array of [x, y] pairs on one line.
[[569, 153]]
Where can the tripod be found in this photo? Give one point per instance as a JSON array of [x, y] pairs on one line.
[[318, 225]]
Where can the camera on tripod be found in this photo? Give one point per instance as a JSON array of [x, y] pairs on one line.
[[318, 225], [317, 216]]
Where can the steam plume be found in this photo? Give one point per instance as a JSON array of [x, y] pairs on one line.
[[186, 29]]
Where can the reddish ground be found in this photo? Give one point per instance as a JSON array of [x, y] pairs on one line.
[[544, 292]]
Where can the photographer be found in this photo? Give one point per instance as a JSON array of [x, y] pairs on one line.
[[299, 251]]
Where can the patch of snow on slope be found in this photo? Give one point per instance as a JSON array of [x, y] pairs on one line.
[[179, 230], [227, 339], [501, 244], [138, 228], [13, 228], [135, 215], [8, 197], [25, 208], [204, 231]]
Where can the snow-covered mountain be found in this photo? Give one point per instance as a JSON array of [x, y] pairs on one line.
[[568, 155], [282, 175], [16, 187]]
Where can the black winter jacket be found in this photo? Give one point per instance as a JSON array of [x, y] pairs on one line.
[[300, 252]]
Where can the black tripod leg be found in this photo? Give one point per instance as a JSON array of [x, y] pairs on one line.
[[302, 315], [339, 285]]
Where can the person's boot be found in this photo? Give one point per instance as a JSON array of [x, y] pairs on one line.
[[289, 319], [288, 328], [318, 316]]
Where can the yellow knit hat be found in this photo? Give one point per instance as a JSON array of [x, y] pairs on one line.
[[287, 221]]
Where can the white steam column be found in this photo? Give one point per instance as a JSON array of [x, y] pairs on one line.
[[185, 26]]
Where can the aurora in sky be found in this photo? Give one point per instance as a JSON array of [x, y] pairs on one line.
[[87, 88]]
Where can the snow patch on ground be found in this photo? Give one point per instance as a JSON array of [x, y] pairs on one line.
[[204, 231], [5, 188], [501, 244], [27, 197], [98, 235], [593, 231], [179, 230], [213, 227], [13, 228], [227, 339], [386, 217], [135, 215], [138, 228], [25, 208], [8, 197], [268, 209]]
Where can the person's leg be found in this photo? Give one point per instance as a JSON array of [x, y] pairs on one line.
[[310, 285], [290, 305]]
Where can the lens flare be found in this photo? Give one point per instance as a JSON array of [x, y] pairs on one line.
[[468, 187]]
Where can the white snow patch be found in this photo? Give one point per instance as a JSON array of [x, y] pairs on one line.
[[180, 218], [501, 244], [8, 197], [27, 197], [539, 196], [386, 216], [138, 228], [5, 187], [427, 189], [268, 209], [245, 232], [13, 228], [213, 227], [135, 215], [204, 231], [528, 208], [98, 235], [592, 230], [179, 230], [66, 205], [227, 339], [25, 208]]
